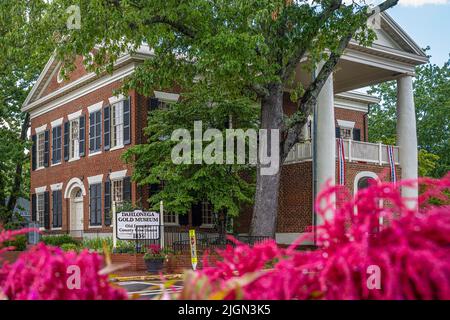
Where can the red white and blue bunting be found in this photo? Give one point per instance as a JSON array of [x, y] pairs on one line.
[[341, 161], [390, 151]]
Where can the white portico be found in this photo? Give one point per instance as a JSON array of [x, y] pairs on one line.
[[393, 56]]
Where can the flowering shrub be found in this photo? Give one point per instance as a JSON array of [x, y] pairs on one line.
[[154, 252], [404, 257], [49, 273]]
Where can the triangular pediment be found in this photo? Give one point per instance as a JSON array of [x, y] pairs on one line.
[[392, 36]]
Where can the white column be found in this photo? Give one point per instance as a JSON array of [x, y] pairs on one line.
[[406, 133], [326, 138]]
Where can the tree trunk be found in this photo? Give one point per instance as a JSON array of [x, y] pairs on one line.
[[18, 177], [265, 211]]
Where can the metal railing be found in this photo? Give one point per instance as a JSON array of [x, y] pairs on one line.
[[354, 151], [178, 240]]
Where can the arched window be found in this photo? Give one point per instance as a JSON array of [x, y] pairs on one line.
[[365, 182], [362, 181]]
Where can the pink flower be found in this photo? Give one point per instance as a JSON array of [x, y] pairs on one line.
[[410, 249]]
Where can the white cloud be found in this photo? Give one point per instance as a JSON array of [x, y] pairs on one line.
[[418, 3]]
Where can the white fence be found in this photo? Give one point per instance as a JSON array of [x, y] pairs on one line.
[[354, 151]]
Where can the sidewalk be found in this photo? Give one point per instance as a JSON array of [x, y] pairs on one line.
[[143, 276]]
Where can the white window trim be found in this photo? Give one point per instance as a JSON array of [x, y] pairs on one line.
[[93, 154], [117, 147], [74, 115], [176, 223], [56, 123], [40, 189], [166, 96], [95, 107], [56, 186], [55, 164], [71, 140], [346, 124], [74, 159], [40, 129], [95, 179], [118, 175], [114, 99]]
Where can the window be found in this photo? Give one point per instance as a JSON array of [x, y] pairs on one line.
[[40, 209], [117, 191], [95, 204], [170, 218], [207, 214], [346, 133], [95, 131], [57, 208], [365, 182], [74, 147], [117, 125], [57, 145], [40, 149]]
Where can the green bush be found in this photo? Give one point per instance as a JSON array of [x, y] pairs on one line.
[[19, 244], [69, 247], [125, 247], [59, 240], [96, 244]]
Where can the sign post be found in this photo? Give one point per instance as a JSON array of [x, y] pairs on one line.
[[114, 224], [193, 243], [161, 219], [128, 222]]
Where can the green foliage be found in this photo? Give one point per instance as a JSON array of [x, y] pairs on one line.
[[125, 247], [59, 240], [96, 244], [432, 101], [70, 247], [19, 243]]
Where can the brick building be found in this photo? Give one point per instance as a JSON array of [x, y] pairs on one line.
[[80, 130]]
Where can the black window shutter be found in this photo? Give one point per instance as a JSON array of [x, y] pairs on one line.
[[183, 219], [91, 131], [59, 192], [33, 152], [54, 209], [153, 104], [127, 189], [54, 146], [46, 148], [357, 134], [98, 209], [91, 205], [107, 204], [197, 215], [46, 210], [127, 121], [154, 188], [33, 207], [107, 125], [82, 141], [338, 132], [66, 140]]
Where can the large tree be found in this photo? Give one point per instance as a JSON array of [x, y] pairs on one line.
[[22, 56], [244, 49], [432, 101]]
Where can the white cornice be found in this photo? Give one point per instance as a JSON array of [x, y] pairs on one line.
[[40, 189], [56, 186], [167, 96], [40, 129], [95, 107], [95, 179], [95, 85], [117, 175], [74, 115], [56, 123]]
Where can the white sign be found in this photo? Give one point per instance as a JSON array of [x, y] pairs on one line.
[[128, 221]]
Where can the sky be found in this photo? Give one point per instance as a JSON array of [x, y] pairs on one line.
[[427, 22]]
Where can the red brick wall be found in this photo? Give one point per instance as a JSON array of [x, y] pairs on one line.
[[79, 71], [357, 117], [87, 166]]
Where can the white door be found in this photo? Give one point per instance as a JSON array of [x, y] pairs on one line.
[[76, 216]]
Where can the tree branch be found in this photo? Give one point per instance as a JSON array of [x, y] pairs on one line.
[[309, 98], [303, 47]]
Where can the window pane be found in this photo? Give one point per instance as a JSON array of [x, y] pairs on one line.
[[40, 149]]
